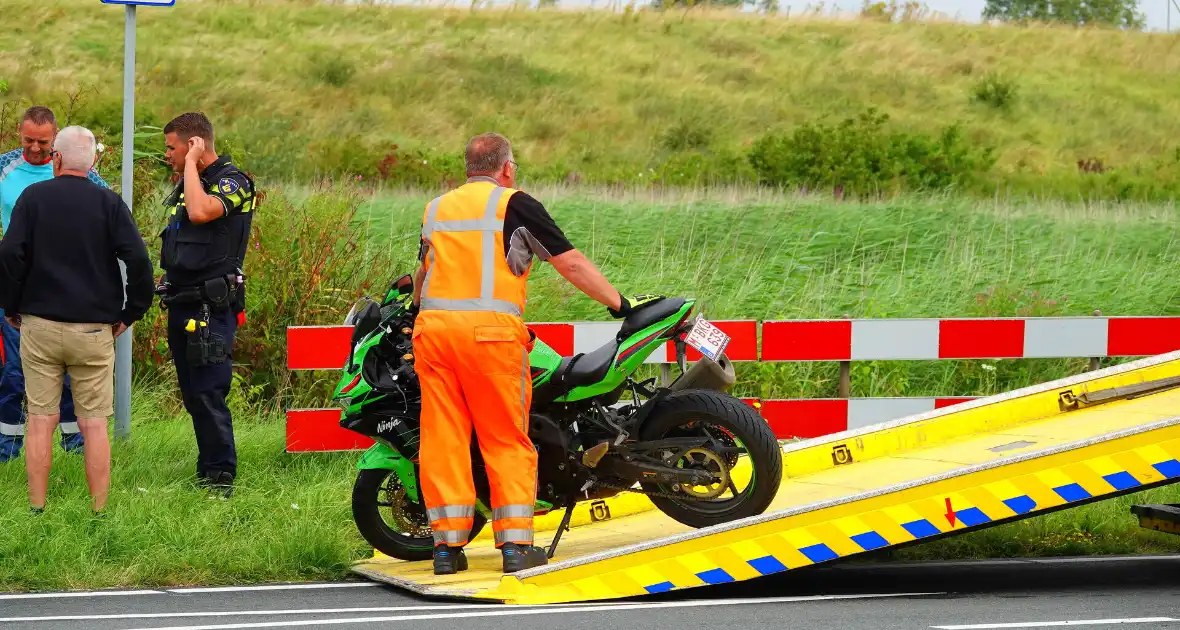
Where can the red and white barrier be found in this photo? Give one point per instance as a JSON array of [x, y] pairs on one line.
[[1000, 338], [813, 417], [326, 348]]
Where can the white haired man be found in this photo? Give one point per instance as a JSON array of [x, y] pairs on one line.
[[60, 285], [19, 168]]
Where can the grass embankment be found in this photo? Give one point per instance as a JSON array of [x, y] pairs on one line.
[[301, 89], [744, 257]]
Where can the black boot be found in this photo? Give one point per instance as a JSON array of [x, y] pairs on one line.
[[520, 557], [448, 560], [220, 483]]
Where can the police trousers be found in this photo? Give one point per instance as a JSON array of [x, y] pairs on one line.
[[205, 388]]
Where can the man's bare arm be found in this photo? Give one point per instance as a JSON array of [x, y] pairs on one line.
[[202, 207], [419, 278], [575, 267]]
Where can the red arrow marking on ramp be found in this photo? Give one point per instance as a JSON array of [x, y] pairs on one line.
[[950, 512]]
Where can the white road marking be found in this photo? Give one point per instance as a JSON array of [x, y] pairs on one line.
[[512, 611], [184, 590], [77, 594], [270, 587], [242, 613], [1052, 624], [1086, 559]]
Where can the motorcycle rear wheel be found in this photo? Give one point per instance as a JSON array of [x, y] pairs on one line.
[[367, 513], [717, 410]]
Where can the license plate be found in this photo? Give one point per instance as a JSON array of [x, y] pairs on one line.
[[707, 339]]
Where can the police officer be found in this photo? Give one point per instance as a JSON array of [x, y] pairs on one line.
[[203, 290]]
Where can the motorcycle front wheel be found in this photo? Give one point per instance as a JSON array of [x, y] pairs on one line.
[[390, 521]]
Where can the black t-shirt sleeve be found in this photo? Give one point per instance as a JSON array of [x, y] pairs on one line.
[[528, 224], [130, 248], [14, 254], [233, 189]]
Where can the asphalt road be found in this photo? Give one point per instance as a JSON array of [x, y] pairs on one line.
[[1134, 592]]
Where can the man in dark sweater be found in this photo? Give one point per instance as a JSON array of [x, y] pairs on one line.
[[60, 284]]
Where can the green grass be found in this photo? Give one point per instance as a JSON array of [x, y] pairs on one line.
[[307, 87], [288, 518]]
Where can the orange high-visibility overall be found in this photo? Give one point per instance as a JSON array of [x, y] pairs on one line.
[[471, 355]]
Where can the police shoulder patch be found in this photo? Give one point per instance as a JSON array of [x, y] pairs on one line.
[[227, 186]]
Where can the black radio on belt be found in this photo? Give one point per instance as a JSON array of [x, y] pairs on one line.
[[217, 291]]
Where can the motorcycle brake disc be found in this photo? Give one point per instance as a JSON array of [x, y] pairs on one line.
[[408, 517]]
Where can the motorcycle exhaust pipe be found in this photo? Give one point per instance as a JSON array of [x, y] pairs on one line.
[[707, 374]]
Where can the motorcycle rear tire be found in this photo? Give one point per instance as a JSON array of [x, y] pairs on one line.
[[366, 514], [720, 409]]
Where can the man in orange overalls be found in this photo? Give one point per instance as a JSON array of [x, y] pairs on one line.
[[471, 347]]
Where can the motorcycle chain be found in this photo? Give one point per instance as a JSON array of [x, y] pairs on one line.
[[649, 493]]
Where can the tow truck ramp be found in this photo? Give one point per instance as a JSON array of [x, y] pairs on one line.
[[976, 464]]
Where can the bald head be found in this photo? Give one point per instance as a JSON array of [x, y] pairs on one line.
[[487, 154]]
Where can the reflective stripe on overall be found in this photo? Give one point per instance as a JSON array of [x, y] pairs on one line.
[[471, 354]]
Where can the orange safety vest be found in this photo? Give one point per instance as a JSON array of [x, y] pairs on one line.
[[467, 268]]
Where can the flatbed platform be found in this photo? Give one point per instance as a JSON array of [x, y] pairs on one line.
[[973, 465]]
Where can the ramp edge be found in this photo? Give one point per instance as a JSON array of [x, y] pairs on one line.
[[1032, 390], [820, 505], [1159, 517], [421, 588]]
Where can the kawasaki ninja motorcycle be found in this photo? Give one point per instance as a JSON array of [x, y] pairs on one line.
[[687, 445]]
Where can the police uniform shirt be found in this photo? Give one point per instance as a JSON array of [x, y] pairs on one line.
[[205, 251], [528, 230]]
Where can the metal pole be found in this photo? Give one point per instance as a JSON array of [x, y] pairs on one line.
[[844, 386], [123, 343]]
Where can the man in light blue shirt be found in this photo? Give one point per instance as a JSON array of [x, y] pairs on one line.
[[20, 168]]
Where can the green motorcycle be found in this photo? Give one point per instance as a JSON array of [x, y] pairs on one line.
[[686, 445]]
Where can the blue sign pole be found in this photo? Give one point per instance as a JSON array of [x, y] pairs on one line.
[[123, 343]]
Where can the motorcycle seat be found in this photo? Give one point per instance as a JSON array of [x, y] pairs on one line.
[[586, 369], [648, 315]]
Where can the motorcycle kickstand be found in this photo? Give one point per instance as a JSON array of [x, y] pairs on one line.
[[565, 525]]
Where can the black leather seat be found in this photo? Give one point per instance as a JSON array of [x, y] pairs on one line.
[[587, 369], [649, 315]]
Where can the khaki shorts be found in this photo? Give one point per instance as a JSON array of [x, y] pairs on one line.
[[49, 349]]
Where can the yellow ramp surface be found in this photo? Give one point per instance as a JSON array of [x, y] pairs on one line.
[[991, 460]]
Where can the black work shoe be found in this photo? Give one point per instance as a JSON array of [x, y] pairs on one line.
[[220, 483], [448, 560], [521, 557]]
